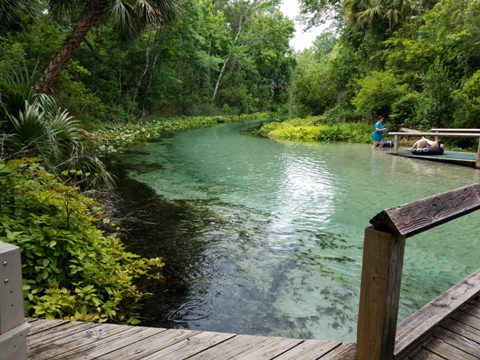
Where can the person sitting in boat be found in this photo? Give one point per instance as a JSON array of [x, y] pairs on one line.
[[426, 143]]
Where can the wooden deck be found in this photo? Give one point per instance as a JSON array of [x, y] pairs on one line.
[[74, 341], [457, 337]]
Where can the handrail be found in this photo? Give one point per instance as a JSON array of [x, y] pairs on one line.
[[456, 130], [383, 252]]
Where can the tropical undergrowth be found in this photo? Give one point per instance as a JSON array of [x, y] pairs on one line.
[[34, 125], [71, 270]]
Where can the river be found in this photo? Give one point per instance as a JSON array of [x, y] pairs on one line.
[[265, 238]]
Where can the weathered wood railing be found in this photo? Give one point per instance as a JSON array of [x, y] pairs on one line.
[[383, 253]]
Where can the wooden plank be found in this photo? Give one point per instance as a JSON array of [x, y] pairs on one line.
[[43, 325], [58, 332], [414, 330], [425, 354], [234, 346], [346, 351], [462, 329], [467, 319], [446, 350], [457, 130], [150, 345], [268, 349], [132, 336], [466, 345], [428, 133], [61, 347], [420, 215], [190, 346], [379, 294], [309, 349], [472, 310]]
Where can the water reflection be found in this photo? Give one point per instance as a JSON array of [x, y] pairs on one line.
[[266, 238]]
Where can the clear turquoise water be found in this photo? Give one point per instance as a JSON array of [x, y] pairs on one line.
[[279, 253]]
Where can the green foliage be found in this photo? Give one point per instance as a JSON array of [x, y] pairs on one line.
[[404, 109], [435, 102], [377, 93], [466, 102], [314, 92], [37, 126], [70, 269], [315, 129]]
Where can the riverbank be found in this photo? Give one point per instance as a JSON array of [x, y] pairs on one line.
[[115, 137]]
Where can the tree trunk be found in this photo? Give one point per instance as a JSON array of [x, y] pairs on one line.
[[90, 17], [149, 84], [147, 66]]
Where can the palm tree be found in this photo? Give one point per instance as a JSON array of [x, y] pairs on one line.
[[12, 11], [128, 17], [35, 125], [364, 13]]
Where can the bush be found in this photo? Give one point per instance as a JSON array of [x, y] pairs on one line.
[[70, 269]]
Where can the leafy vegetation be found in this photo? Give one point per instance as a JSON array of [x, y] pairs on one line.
[[70, 269], [412, 62], [35, 125], [315, 129]]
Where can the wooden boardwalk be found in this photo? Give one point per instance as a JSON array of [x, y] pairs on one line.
[[55, 340], [457, 337]]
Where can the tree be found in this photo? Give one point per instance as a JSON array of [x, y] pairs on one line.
[[435, 103], [128, 17], [12, 12], [378, 92]]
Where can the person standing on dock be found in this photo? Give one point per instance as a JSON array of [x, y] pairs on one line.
[[377, 135]]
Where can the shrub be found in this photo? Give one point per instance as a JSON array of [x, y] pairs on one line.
[[70, 269]]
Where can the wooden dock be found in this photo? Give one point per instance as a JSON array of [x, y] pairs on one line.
[[457, 158], [74, 341], [457, 337]]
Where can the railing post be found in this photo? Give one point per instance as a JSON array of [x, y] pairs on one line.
[[379, 294], [396, 140], [13, 329], [477, 163]]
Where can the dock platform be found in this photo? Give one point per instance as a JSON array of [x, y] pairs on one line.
[[457, 337], [451, 157]]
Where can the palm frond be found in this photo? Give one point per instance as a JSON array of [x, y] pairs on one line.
[[125, 20], [12, 11]]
